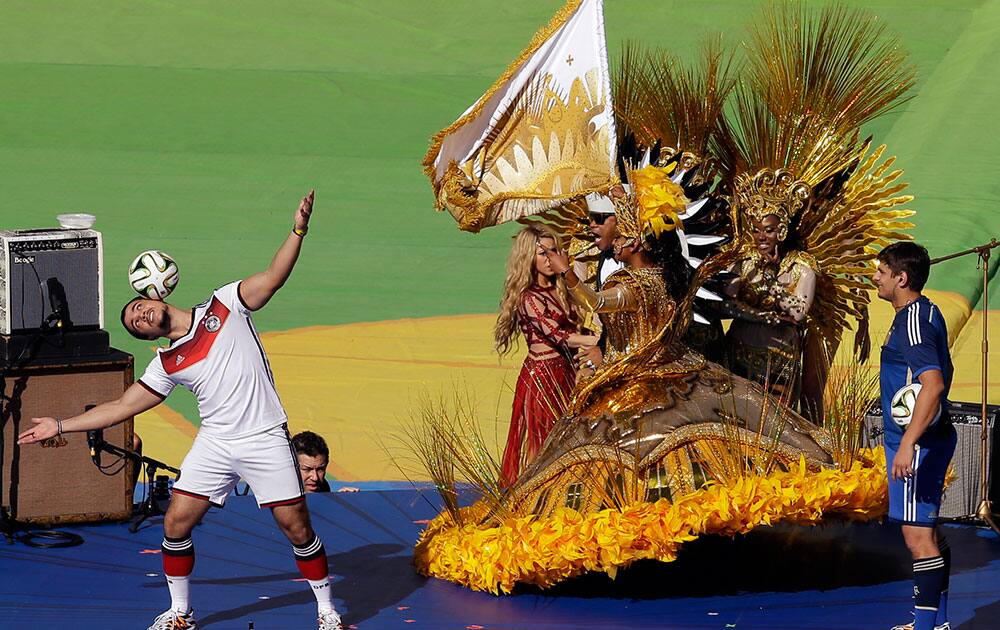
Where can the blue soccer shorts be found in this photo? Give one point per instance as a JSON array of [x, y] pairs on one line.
[[916, 500]]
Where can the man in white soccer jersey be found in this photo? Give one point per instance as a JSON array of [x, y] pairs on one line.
[[215, 352]]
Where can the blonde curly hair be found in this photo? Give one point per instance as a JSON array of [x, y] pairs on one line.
[[521, 274]]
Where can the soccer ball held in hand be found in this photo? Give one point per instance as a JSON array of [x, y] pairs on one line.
[[903, 403]]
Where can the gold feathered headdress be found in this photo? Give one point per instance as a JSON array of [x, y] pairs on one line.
[[672, 108], [651, 204], [814, 77]]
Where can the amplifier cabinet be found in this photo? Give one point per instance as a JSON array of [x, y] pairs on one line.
[[36, 263], [56, 481], [962, 497]]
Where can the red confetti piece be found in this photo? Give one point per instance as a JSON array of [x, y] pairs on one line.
[[299, 580], [422, 521], [473, 627], [151, 551], [402, 607], [409, 621]]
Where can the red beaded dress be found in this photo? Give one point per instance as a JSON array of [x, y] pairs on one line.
[[546, 378]]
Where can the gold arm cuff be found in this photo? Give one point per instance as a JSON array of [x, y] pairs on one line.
[[584, 296]]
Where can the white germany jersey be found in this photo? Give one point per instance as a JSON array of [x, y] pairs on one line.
[[221, 360]]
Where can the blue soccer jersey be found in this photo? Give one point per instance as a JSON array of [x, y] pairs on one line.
[[917, 342]]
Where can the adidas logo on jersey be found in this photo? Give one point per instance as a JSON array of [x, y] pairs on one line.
[[179, 360]]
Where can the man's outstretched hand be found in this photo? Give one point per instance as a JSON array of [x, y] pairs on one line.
[[305, 209], [44, 429]]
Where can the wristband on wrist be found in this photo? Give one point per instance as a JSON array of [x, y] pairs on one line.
[[59, 429], [300, 231]]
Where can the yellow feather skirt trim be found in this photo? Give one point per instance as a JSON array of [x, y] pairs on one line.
[[545, 551]]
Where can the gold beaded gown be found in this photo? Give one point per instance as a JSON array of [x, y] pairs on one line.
[[657, 419], [764, 343]]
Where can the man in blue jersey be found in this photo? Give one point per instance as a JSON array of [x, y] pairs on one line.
[[917, 456]]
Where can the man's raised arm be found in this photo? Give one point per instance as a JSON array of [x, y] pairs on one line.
[[135, 400], [257, 290]]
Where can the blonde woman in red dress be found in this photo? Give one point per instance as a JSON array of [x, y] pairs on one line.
[[535, 301]]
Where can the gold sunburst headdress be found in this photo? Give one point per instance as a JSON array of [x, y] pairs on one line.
[[772, 193]]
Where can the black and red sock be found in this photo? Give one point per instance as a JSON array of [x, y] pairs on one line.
[[311, 558], [178, 563]]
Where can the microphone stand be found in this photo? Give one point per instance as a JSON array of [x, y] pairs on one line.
[[149, 507], [985, 510]]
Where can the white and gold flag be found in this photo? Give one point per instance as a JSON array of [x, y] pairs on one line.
[[542, 134]]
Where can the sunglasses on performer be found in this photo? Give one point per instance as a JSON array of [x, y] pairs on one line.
[[599, 217]]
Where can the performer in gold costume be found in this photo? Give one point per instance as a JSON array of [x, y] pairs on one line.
[[773, 292], [655, 403], [810, 201], [660, 445]]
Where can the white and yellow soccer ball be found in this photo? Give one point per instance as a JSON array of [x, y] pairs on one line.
[[904, 402], [153, 274]]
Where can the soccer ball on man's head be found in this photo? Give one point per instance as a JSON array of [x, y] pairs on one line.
[[153, 274], [904, 402]]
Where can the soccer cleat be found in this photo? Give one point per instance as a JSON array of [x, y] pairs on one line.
[[330, 620], [174, 620], [909, 626]]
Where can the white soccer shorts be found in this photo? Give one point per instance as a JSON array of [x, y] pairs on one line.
[[265, 460]]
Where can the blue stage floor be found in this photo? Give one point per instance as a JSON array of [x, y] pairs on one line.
[[837, 576]]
